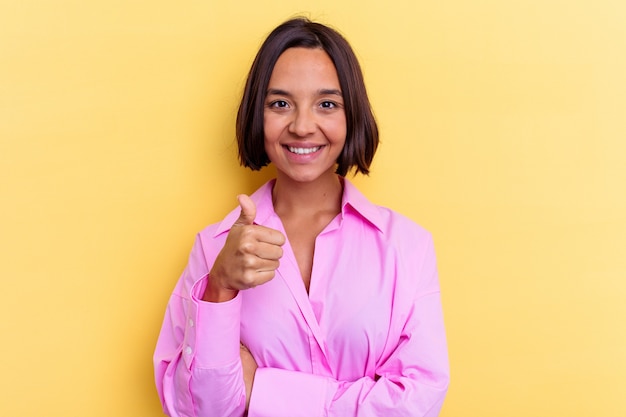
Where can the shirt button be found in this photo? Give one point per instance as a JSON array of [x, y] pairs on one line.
[[190, 323], [188, 350]]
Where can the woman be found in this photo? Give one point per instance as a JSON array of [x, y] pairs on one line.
[[308, 300]]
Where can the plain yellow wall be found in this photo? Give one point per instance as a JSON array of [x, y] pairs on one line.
[[503, 127]]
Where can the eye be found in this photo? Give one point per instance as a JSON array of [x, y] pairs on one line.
[[328, 104], [279, 104]]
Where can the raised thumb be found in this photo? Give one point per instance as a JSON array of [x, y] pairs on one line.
[[248, 210]]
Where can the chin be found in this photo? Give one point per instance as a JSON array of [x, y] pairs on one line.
[[310, 177]]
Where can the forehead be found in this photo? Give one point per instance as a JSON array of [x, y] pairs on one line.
[[302, 66]]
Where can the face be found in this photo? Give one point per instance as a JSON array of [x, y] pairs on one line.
[[304, 118]]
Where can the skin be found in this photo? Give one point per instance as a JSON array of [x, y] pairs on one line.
[[305, 130], [304, 110]]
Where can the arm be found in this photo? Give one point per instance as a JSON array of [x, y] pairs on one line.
[[411, 379], [197, 363], [404, 386]]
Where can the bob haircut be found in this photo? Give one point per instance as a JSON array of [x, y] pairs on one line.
[[361, 127]]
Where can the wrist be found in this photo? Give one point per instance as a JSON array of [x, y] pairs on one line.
[[215, 293]]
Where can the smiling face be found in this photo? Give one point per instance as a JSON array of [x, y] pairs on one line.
[[304, 119]]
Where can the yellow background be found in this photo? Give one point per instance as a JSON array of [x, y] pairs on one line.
[[503, 127]]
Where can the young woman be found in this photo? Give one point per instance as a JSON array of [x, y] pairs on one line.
[[308, 300]]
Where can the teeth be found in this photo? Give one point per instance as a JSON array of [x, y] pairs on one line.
[[303, 151]]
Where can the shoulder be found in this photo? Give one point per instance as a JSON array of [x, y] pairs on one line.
[[398, 224], [399, 237], [407, 237], [413, 251], [392, 225]]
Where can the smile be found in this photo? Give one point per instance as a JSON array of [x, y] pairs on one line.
[[303, 151]]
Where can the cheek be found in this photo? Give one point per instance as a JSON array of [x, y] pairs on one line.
[[271, 129], [339, 130]]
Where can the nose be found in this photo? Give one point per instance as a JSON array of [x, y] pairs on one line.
[[303, 123]]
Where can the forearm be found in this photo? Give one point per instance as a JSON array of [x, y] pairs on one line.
[[199, 370], [411, 381], [218, 391], [280, 393]]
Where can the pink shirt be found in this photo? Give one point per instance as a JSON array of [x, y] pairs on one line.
[[367, 340]]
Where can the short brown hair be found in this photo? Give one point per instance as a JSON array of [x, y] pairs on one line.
[[362, 130]]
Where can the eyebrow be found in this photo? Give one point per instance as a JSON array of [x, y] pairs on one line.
[[321, 92], [325, 92]]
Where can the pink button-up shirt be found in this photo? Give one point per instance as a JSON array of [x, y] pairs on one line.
[[367, 340]]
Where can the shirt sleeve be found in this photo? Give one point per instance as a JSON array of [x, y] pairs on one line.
[[197, 363], [411, 381]]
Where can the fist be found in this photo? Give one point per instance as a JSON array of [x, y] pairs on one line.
[[249, 257]]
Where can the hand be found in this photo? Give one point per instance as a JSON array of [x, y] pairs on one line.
[[249, 366], [249, 257]]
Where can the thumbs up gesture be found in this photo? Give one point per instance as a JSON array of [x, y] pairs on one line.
[[249, 257]]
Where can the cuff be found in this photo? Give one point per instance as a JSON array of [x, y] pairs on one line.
[[281, 393], [217, 328]]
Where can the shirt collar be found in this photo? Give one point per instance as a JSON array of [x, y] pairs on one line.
[[352, 199]]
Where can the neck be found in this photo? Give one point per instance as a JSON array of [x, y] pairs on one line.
[[291, 197]]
